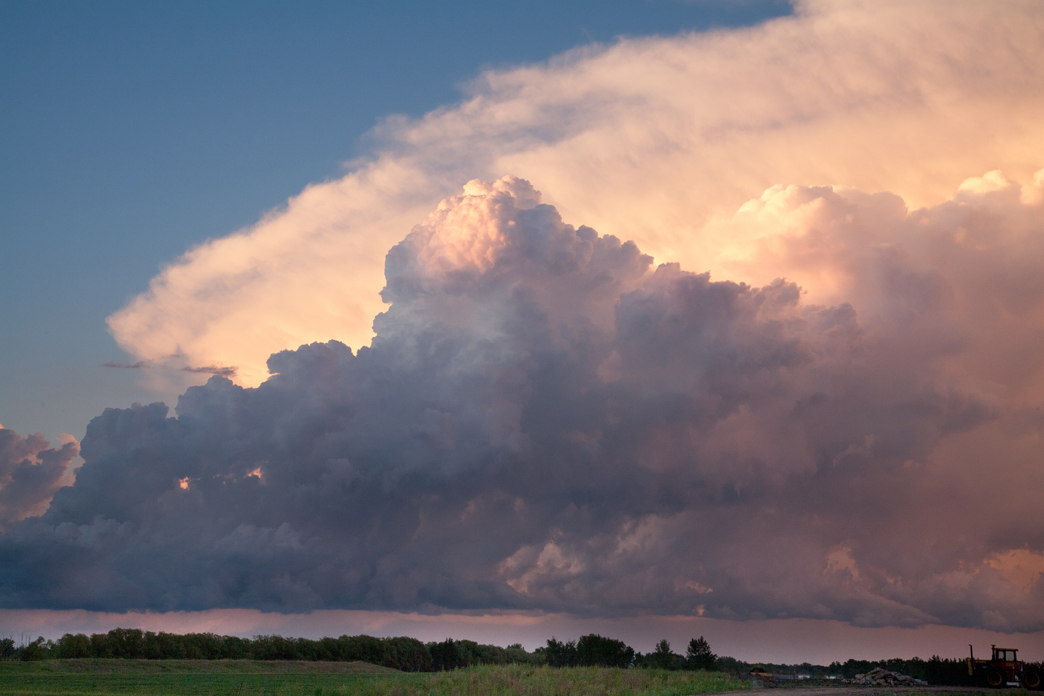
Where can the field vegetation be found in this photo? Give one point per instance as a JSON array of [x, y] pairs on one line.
[[102, 677], [128, 661]]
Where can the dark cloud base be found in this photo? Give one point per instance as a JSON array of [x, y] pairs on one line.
[[545, 422]]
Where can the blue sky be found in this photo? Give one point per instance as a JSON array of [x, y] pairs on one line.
[[134, 131]]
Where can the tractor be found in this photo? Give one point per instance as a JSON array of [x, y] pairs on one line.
[[1004, 669]]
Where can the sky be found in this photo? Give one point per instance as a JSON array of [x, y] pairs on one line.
[[135, 132], [658, 318]]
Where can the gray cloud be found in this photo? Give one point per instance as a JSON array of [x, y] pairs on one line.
[[545, 421], [212, 370], [30, 473]]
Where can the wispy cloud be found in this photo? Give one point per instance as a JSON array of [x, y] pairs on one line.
[[211, 370], [228, 372]]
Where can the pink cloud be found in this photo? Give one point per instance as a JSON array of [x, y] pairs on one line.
[[545, 422], [646, 139], [30, 473]]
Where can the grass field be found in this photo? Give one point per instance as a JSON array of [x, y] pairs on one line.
[[250, 678]]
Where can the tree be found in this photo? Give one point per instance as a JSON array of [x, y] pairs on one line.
[[7, 648], [364, 648], [69, 646], [128, 643], [595, 650], [559, 654], [36, 650], [661, 657], [699, 655], [446, 656], [407, 654]]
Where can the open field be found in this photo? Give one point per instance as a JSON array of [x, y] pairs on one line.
[[271, 678]]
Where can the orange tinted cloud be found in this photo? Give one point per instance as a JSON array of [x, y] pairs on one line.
[[547, 422], [858, 410], [646, 139]]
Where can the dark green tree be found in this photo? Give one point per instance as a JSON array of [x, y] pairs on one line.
[[699, 655], [595, 650], [126, 643], [70, 645], [661, 657], [363, 647], [559, 654], [7, 648], [445, 656], [36, 650], [407, 654]]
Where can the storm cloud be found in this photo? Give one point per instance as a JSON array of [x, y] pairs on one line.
[[30, 473], [547, 420]]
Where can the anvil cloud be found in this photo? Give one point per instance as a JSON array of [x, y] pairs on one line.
[[647, 140], [547, 421]]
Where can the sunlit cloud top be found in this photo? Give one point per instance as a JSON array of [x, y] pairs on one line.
[[545, 415], [646, 139]]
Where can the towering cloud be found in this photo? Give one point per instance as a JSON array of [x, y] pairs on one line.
[[548, 420], [646, 139]]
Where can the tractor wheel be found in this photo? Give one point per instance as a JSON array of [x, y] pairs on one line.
[[995, 678], [1031, 679]]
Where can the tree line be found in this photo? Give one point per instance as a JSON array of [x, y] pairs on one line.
[[402, 653], [411, 655], [594, 650]]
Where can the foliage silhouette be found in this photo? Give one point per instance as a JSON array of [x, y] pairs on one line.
[[699, 655]]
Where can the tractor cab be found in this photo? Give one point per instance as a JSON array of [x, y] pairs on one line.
[[1006, 655]]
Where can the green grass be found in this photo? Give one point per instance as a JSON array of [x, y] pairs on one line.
[[250, 678]]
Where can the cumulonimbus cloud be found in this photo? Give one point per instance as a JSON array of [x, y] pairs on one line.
[[647, 139], [794, 373], [547, 420]]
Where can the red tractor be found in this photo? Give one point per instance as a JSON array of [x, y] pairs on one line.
[[1004, 669]]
